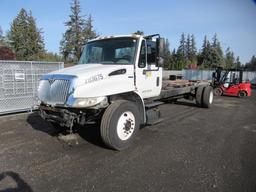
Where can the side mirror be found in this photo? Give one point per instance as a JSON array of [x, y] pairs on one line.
[[160, 43], [161, 47]]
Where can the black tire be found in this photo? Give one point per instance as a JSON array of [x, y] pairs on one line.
[[199, 93], [218, 91], [109, 124], [242, 94], [207, 97]]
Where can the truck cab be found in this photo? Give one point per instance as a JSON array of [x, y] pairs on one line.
[[132, 61]]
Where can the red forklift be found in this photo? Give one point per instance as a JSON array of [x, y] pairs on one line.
[[230, 82]]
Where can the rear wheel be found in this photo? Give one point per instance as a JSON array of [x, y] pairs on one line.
[[199, 93], [207, 97], [119, 124], [242, 94]]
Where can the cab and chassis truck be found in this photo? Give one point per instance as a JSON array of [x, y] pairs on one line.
[[119, 83]]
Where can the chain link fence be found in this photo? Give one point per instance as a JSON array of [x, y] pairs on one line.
[[19, 81]]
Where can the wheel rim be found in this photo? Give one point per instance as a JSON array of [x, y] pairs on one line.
[[241, 94], [211, 97], [125, 125]]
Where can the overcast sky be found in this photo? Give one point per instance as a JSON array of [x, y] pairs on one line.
[[234, 21]]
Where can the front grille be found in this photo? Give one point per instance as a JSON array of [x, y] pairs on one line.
[[54, 91]]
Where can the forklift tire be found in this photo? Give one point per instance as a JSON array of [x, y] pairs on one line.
[[242, 94], [119, 124], [207, 97], [217, 91], [199, 93]]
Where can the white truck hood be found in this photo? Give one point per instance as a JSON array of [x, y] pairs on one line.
[[94, 80], [87, 69]]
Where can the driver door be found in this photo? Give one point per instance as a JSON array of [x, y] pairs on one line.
[[148, 75]]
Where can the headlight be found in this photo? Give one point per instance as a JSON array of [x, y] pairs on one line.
[[87, 102]]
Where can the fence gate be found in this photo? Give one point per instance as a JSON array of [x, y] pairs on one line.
[[19, 81]]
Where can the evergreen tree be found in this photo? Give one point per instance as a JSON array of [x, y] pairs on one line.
[[72, 41], [191, 57], [238, 63], [88, 31], [167, 55], [167, 46], [211, 55], [18, 35], [181, 53], [230, 59], [65, 46], [188, 50], [173, 64], [79, 31], [215, 41], [36, 41], [25, 38], [205, 55], [217, 53], [193, 51], [251, 66], [1, 37], [182, 47]]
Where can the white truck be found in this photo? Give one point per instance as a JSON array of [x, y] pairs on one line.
[[117, 82]]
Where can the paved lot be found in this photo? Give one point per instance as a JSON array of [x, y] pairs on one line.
[[193, 149]]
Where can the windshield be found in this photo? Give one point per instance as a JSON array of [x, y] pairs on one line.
[[109, 51]]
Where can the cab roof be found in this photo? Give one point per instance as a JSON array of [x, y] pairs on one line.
[[116, 36]]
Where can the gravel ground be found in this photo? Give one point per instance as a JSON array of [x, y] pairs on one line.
[[193, 149]]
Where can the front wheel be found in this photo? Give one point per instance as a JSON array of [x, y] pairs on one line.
[[241, 94], [119, 124], [218, 91]]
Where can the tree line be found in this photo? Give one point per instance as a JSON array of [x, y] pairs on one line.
[[209, 56], [25, 41]]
